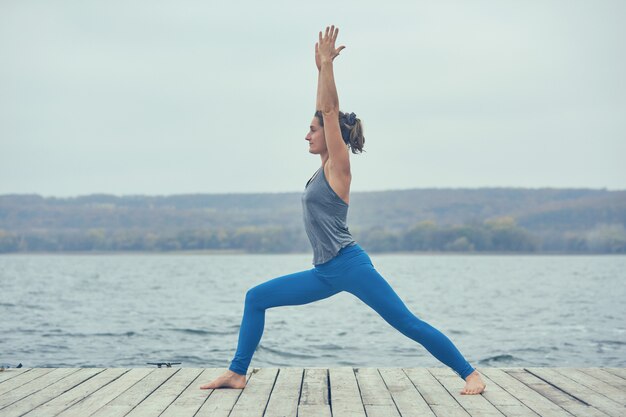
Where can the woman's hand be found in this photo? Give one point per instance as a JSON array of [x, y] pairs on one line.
[[325, 49]]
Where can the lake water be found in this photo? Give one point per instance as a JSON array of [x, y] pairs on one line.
[[128, 309]]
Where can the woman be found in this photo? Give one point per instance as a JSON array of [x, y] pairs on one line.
[[340, 264]]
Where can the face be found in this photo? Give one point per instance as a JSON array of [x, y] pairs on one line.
[[316, 138]]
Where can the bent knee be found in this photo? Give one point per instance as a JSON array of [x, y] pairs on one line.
[[253, 296]]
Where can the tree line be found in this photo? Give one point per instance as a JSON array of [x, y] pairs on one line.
[[442, 220], [493, 235]]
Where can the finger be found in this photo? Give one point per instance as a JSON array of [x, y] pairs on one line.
[[316, 47], [336, 33], [320, 37], [326, 33], [342, 47]]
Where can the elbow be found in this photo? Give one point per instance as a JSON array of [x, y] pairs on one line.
[[330, 110]]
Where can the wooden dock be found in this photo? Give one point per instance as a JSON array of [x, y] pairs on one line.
[[314, 392]]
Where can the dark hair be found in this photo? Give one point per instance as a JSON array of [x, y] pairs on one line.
[[351, 130]]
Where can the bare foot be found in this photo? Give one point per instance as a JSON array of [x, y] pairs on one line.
[[473, 384], [228, 379]]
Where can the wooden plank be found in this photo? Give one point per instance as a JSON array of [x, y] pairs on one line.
[[220, 401], [129, 399], [407, 398], [508, 405], [529, 397], [158, 400], [68, 398], [12, 372], [254, 397], [557, 396], [191, 399], [340, 392], [286, 393], [436, 396], [621, 372], [609, 378], [581, 392], [23, 378], [345, 397], [95, 401], [51, 391], [35, 385], [599, 386], [314, 399], [473, 404], [374, 393]]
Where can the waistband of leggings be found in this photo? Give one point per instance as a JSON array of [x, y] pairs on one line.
[[343, 252], [350, 248]]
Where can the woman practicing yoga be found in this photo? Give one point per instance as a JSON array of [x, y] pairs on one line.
[[340, 264]]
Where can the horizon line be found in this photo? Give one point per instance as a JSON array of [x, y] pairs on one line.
[[607, 189]]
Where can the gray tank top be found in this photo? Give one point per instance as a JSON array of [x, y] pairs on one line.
[[324, 214]]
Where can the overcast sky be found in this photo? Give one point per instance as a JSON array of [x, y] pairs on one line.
[[171, 97]]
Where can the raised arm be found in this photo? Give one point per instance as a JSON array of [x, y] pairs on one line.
[[328, 100], [318, 63]]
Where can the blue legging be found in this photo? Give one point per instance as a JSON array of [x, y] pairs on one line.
[[351, 270]]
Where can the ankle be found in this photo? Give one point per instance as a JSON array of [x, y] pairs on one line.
[[474, 374]]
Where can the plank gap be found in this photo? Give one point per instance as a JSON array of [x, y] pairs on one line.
[[152, 392], [555, 386]]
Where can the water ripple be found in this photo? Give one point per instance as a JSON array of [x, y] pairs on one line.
[[127, 310]]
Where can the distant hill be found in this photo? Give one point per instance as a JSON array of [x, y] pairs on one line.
[[484, 219]]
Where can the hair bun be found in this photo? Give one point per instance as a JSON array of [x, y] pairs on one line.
[[350, 118]]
